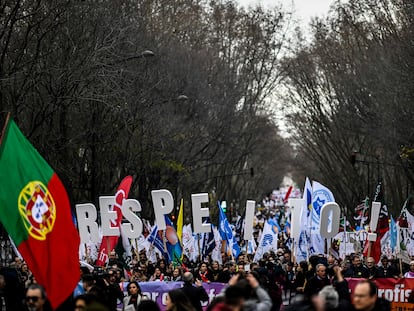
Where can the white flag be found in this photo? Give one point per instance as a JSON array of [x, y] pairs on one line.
[[320, 196], [268, 241]]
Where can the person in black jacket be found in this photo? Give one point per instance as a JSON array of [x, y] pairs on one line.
[[356, 270], [386, 269], [196, 293], [366, 298], [317, 282]]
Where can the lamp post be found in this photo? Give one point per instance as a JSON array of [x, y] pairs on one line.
[[96, 113], [143, 54], [354, 159]]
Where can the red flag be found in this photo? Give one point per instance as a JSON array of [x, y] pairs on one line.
[[285, 200], [109, 242], [382, 228]]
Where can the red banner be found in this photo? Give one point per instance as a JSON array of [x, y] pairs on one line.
[[394, 290]]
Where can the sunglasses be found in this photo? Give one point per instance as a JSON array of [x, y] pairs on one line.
[[32, 298]]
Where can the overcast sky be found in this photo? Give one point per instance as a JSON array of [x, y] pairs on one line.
[[304, 9]]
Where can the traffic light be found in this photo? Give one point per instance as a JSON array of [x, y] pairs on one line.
[[352, 158], [224, 206]]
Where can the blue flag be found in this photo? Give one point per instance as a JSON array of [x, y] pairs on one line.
[[208, 244], [156, 239], [224, 226], [393, 234], [226, 233]]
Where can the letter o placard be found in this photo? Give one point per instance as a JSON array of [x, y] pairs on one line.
[[327, 209]]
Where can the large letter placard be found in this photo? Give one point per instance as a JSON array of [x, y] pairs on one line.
[[86, 215], [200, 212], [163, 204], [375, 211], [296, 206], [132, 229], [329, 225], [248, 220]]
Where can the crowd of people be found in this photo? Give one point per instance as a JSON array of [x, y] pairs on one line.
[[317, 284], [274, 282]]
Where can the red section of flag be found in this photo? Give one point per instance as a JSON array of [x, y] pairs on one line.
[[55, 261], [109, 242], [287, 194], [382, 228]]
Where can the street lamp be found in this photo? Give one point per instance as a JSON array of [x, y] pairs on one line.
[[180, 98], [143, 54], [354, 159]]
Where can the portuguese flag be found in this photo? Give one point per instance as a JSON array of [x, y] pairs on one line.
[[35, 211]]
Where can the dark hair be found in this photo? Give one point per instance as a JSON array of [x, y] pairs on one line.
[[84, 270], [314, 260], [256, 275], [136, 284], [148, 305], [38, 286], [88, 298], [354, 256], [373, 289], [304, 265], [235, 294], [180, 300]]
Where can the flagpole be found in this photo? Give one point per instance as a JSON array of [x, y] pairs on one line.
[[163, 232], [136, 248], [86, 252], [310, 221], [345, 229], [4, 127], [198, 242], [363, 212], [108, 251]]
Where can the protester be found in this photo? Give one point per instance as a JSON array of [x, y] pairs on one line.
[[356, 270], [176, 275], [410, 274], [277, 275], [203, 272], [158, 275], [36, 298], [177, 300], [228, 272], [300, 279], [365, 298], [317, 282], [134, 297], [214, 271], [386, 270], [330, 298], [232, 300], [197, 293], [372, 268], [111, 290], [81, 301], [148, 305], [259, 299]]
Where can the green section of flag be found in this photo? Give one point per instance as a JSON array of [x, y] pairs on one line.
[[20, 163]]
